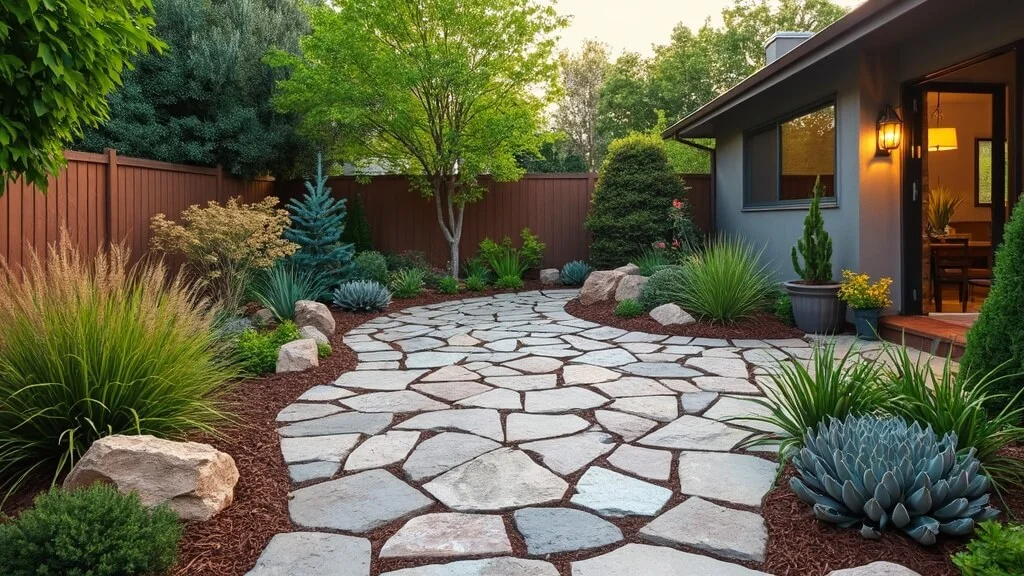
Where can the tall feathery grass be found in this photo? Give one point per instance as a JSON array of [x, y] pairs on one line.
[[91, 347], [725, 282]]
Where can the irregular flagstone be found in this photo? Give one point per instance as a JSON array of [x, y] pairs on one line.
[[535, 365], [660, 408], [503, 345], [709, 342], [498, 480], [432, 359], [399, 401], [377, 366], [736, 478], [626, 425], [451, 374], [380, 356], [563, 400], [323, 393], [367, 346], [633, 386], [301, 411], [609, 358], [765, 356], [462, 340], [612, 494], [444, 452], [551, 351], [684, 350], [695, 433], [875, 569], [448, 535], [525, 382], [642, 559], [567, 455], [555, 530], [494, 335], [499, 371], [728, 385], [331, 448], [314, 554], [343, 423], [451, 391], [741, 343], [379, 379], [640, 337], [643, 462], [503, 566], [640, 347], [728, 353], [498, 398], [697, 401], [574, 374], [585, 344], [788, 343], [681, 386], [537, 426], [383, 450], [541, 341], [603, 333], [728, 367], [479, 421], [738, 411], [699, 524], [357, 503], [312, 471], [660, 370]]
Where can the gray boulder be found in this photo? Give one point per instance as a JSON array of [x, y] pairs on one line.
[[315, 314], [297, 355], [629, 269], [629, 288], [671, 314], [600, 286], [311, 332], [550, 276]]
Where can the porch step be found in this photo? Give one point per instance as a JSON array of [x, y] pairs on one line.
[[925, 333]]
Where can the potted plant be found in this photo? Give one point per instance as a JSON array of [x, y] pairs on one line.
[[942, 204], [867, 301], [815, 297]]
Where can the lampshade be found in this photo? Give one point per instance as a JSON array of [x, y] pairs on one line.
[[941, 139]]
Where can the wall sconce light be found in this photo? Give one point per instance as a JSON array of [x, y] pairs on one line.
[[890, 131]]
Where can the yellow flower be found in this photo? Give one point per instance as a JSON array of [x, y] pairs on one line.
[[858, 291]]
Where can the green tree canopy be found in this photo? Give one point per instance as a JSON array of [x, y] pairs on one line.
[[582, 75], [445, 90], [58, 61], [207, 99]]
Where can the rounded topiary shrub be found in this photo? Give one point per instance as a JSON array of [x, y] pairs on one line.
[[664, 286], [94, 531], [630, 207]]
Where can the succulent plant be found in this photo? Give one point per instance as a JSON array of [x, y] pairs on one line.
[[575, 273], [362, 296], [882, 472]]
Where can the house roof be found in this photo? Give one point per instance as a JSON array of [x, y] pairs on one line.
[[860, 22]]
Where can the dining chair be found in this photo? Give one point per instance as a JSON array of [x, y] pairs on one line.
[[950, 264]]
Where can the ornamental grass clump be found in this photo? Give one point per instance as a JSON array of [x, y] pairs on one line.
[[651, 259], [284, 284], [881, 472], [860, 294], [407, 282], [725, 282], [92, 347]]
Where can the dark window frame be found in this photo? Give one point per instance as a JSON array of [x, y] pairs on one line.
[[775, 125]]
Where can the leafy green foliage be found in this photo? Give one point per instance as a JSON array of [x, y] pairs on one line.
[[92, 531], [582, 74], [878, 472], [725, 282], [370, 266], [553, 156], [280, 287], [627, 212], [58, 61], [357, 230], [427, 89], [407, 283], [532, 251], [508, 262], [448, 285], [955, 402], [996, 340], [663, 287], [509, 282], [629, 308], [323, 350], [92, 346], [362, 296], [816, 245], [575, 273], [477, 266], [257, 351], [475, 283], [782, 307], [318, 220], [997, 550], [800, 399], [650, 260], [407, 259], [206, 100]]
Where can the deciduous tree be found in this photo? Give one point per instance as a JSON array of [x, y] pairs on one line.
[[582, 74]]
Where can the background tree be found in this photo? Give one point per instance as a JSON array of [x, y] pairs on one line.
[[555, 155], [207, 99], [445, 90], [582, 75], [624, 102], [58, 61], [318, 221], [357, 230]]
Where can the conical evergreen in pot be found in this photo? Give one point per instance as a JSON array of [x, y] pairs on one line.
[[816, 245]]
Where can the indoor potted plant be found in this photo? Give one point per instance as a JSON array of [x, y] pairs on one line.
[[942, 205], [867, 301], [815, 297]]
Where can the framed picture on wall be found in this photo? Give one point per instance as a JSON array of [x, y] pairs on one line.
[[983, 172]]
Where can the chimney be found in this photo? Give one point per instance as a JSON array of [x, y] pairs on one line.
[[782, 42]]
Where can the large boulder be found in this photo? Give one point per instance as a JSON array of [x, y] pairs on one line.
[[298, 355], [196, 480], [550, 276], [629, 288], [311, 332], [600, 286], [629, 269], [315, 314], [671, 314]]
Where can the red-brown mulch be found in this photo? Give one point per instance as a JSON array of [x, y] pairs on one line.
[[760, 326]]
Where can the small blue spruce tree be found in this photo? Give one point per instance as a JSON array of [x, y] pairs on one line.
[[318, 221]]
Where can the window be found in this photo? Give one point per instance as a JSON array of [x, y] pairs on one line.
[[983, 172], [784, 159]]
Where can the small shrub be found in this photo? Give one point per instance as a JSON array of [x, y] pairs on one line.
[[575, 273], [323, 350], [651, 259], [507, 261], [362, 296], [407, 282], [318, 220], [663, 287], [726, 282], [816, 245], [370, 266], [476, 283], [280, 287], [477, 266], [357, 229], [509, 282], [257, 351], [997, 550], [532, 250], [448, 285], [858, 291], [686, 235], [92, 531], [782, 308], [629, 308], [407, 259], [881, 472]]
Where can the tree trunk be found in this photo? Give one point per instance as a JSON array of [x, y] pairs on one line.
[[451, 226]]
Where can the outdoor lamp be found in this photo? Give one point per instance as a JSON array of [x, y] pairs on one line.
[[890, 131]]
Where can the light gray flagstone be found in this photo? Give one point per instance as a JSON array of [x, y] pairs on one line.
[[555, 530], [640, 347], [875, 569], [607, 358], [448, 535], [626, 425], [695, 433], [302, 411], [563, 400], [432, 359], [542, 341], [729, 353], [383, 450], [451, 391], [498, 480], [603, 333], [451, 374], [525, 382], [612, 494], [574, 374], [343, 423], [380, 356], [571, 453], [379, 379], [728, 367], [640, 337], [535, 365], [312, 471], [502, 566], [551, 351], [367, 346], [537, 426], [399, 401], [660, 370], [314, 554], [462, 340], [503, 345], [729, 385], [321, 393], [709, 342], [684, 350], [789, 343], [444, 452], [678, 340], [498, 398], [681, 386], [499, 371], [585, 344], [377, 366], [699, 524], [645, 560], [494, 335], [740, 343], [643, 462], [479, 421], [356, 503], [729, 407], [736, 478], [660, 408], [697, 401], [632, 386], [331, 448]]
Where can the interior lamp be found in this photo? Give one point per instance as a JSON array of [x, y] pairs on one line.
[[940, 139], [890, 131]]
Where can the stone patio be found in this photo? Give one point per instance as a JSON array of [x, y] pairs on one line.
[[471, 425]]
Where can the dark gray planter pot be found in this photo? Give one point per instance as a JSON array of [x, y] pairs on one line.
[[816, 307], [866, 320]]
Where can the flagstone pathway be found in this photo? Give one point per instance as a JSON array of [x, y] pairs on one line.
[[469, 426]]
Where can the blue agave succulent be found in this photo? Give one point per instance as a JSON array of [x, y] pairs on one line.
[[362, 296], [575, 273], [880, 472]]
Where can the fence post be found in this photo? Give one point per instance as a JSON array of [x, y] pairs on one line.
[[108, 200]]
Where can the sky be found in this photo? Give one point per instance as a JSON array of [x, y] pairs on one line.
[[635, 25]]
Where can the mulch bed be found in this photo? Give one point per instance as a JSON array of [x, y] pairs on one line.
[[760, 326]]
